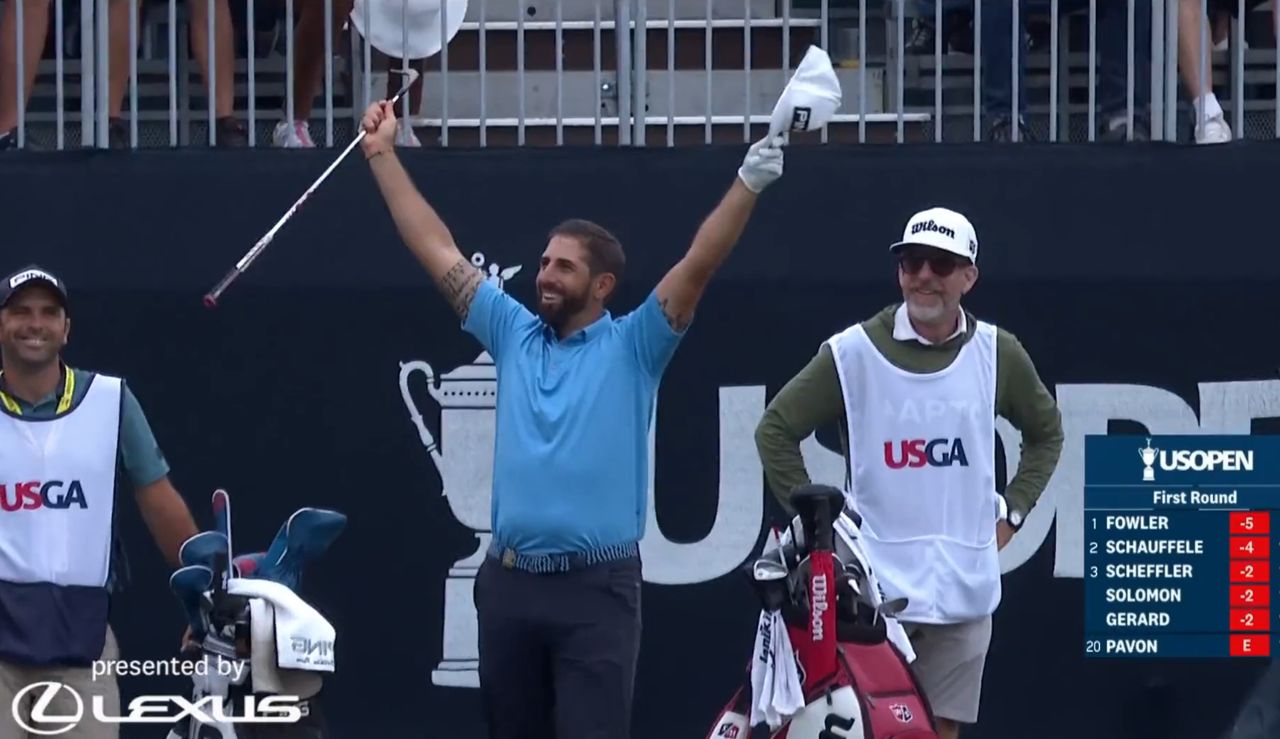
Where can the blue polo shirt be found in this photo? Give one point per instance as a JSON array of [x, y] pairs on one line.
[[571, 461]]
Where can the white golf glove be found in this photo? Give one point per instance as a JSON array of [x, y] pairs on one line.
[[762, 165]]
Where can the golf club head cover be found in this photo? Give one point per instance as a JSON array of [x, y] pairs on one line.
[[222, 515], [307, 534], [189, 584], [202, 548], [304, 639], [248, 565], [818, 506]]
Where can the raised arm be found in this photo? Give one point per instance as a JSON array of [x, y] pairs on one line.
[[420, 227], [682, 287]]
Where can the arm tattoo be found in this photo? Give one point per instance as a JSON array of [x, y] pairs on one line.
[[459, 286], [678, 321]]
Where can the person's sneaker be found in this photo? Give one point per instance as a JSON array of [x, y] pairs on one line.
[[921, 38], [1002, 131], [231, 133], [1116, 129], [292, 135], [405, 136], [1214, 131], [9, 142], [117, 133], [1225, 45]]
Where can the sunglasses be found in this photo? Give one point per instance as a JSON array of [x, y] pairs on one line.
[[940, 265]]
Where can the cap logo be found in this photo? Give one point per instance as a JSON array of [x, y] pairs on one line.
[[31, 274], [800, 118], [929, 225]]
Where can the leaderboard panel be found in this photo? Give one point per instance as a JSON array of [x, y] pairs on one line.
[[1179, 537]]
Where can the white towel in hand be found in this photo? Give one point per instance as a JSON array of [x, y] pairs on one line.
[[775, 682]]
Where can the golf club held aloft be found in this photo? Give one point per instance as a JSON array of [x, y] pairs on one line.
[[211, 298]]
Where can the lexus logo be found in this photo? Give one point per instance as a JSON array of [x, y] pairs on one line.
[[41, 721]]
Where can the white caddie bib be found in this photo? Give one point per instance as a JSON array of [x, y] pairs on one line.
[[57, 491], [922, 472]]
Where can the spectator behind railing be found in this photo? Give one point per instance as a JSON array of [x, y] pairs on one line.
[[423, 31], [411, 29], [1221, 13], [1112, 68], [308, 70], [230, 131], [1210, 122], [35, 21]]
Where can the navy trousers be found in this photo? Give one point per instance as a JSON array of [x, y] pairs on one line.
[[558, 651]]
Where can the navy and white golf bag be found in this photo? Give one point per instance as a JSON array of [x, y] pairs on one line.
[[830, 658], [262, 651]]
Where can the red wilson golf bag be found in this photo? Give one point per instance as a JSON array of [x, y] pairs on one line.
[[856, 683]]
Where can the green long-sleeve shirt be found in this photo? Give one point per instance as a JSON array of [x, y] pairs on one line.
[[813, 398]]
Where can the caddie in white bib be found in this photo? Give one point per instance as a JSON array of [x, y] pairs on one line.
[[57, 505], [68, 437], [922, 472], [915, 390]]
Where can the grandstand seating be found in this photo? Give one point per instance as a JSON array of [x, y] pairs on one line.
[[534, 103]]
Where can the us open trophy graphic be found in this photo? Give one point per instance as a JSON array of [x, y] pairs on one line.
[[1148, 454], [467, 399]]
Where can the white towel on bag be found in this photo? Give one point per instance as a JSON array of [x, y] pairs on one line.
[[776, 695]]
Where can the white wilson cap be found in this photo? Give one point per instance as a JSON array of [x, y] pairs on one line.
[[941, 228]]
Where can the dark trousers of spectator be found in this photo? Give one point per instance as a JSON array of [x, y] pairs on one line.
[[1112, 45], [558, 651]]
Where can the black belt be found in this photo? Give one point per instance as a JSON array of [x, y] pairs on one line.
[[546, 563]]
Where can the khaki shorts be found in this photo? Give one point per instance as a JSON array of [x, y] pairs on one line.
[[13, 678], [949, 662]]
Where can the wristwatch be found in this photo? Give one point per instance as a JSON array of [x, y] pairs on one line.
[[1012, 516]]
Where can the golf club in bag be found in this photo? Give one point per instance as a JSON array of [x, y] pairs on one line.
[[261, 651], [831, 660]]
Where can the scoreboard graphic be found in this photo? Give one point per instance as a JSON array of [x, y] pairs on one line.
[[1179, 539]]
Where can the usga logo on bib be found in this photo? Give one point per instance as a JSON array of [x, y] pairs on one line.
[[921, 452], [29, 496]]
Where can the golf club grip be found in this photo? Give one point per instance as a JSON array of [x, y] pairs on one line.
[[823, 535], [211, 298]]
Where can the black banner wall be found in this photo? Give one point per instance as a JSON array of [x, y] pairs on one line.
[[1141, 279]]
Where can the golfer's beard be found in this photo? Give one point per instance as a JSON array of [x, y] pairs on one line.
[[557, 316]]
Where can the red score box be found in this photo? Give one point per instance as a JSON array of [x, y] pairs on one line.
[[1250, 547], [1250, 619], [1250, 522], [1246, 570], [1250, 596], [1250, 645]]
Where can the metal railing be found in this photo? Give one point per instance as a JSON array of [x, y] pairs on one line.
[[630, 72]]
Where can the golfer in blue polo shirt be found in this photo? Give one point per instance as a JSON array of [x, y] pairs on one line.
[[558, 598]]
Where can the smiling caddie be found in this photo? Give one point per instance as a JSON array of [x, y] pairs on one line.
[[64, 433], [915, 391]]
